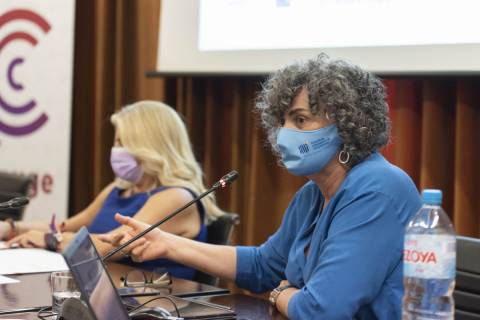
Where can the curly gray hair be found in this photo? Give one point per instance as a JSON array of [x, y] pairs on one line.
[[354, 99]]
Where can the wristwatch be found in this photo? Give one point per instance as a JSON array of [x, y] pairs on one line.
[[276, 292], [53, 240]]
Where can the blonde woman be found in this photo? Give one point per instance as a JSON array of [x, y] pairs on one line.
[[156, 172]]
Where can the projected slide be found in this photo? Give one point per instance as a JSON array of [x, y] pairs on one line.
[[226, 25]]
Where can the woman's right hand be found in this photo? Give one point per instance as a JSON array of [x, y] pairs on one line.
[[149, 247]]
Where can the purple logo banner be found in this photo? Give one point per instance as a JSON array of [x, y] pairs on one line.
[[15, 85]]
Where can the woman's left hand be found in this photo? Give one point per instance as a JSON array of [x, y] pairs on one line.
[[284, 283], [29, 239]]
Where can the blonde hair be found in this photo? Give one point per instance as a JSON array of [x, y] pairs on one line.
[[154, 133]]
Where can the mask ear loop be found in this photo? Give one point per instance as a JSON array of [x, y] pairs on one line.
[[344, 157]]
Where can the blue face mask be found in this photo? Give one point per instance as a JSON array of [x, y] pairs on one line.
[[307, 152]]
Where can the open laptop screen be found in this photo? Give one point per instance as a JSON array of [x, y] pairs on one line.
[[92, 278]]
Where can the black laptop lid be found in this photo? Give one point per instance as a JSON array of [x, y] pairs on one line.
[[92, 278]]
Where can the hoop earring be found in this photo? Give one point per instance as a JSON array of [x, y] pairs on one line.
[[341, 157]]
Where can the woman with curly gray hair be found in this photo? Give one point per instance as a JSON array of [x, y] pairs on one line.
[[327, 119], [338, 252]]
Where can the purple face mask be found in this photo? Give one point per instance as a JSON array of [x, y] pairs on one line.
[[124, 165]]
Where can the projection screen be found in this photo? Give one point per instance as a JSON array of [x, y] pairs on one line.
[[259, 36]]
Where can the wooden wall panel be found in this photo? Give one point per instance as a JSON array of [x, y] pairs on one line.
[[467, 157], [145, 43], [244, 139], [437, 147], [104, 97], [406, 127], [81, 160]]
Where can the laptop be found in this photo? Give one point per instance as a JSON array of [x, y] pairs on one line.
[[99, 293], [93, 281]]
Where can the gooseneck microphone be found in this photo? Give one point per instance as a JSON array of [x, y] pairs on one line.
[[14, 203], [222, 183]]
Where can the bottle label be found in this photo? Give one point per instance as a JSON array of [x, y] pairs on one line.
[[429, 256]]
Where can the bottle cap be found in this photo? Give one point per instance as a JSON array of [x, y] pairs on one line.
[[432, 196]]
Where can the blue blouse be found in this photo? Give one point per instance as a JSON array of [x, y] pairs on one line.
[[105, 222], [354, 266]]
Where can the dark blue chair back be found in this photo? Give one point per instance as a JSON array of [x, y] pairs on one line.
[[467, 286], [219, 232]]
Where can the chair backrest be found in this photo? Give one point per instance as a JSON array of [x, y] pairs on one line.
[[467, 286], [219, 232], [11, 186]]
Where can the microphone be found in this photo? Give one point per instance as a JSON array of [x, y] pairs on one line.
[[222, 183], [14, 203]]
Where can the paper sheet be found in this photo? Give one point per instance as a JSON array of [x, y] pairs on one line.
[[6, 280], [17, 261]]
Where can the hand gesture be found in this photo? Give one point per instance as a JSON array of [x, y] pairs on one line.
[[149, 247], [29, 239]]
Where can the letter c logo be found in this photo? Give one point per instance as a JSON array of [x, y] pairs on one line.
[[12, 37]]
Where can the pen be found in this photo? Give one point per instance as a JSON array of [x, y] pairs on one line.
[[52, 225]]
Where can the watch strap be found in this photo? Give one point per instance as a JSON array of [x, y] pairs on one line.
[[52, 240], [276, 292]]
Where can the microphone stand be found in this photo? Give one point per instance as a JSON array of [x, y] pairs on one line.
[[222, 183]]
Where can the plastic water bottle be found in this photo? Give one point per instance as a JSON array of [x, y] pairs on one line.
[[429, 262]]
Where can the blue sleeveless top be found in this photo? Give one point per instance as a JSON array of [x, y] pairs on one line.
[[105, 222]]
